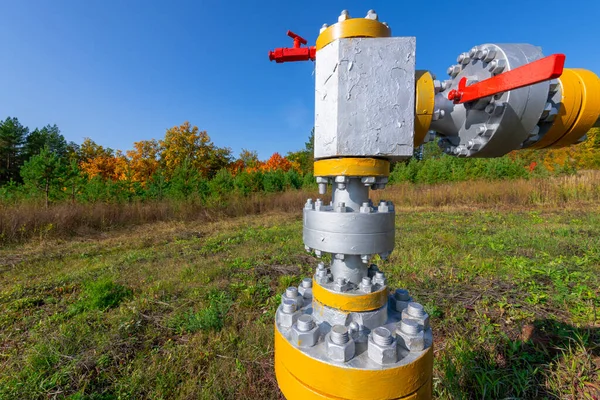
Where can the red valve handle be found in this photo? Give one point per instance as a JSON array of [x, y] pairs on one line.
[[547, 68], [296, 53], [298, 40]]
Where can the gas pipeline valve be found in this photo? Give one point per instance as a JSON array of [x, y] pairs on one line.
[[342, 334]]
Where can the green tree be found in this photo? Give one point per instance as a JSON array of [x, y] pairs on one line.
[[43, 172], [12, 137], [48, 136]]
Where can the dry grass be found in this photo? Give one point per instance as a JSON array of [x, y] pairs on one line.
[[30, 221]]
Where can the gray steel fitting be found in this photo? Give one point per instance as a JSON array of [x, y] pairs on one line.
[[438, 114], [341, 182], [322, 276], [287, 314], [410, 335], [463, 58], [371, 14], [342, 285], [497, 66], [366, 285], [381, 346], [344, 16], [309, 205], [368, 180], [340, 346], [365, 258], [453, 70], [305, 333], [305, 288], [400, 300], [417, 312], [292, 293], [341, 207], [365, 208], [322, 183], [384, 206], [379, 278], [323, 27]]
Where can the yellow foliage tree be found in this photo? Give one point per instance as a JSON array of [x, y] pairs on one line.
[[143, 160], [186, 142], [96, 160]]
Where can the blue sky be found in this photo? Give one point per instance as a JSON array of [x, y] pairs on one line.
[[120, 71]]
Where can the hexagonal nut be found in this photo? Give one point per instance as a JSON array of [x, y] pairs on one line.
[[411, 342], [399, 305], [423, 320], [286, 320], [306, 293], [298, 299], [366, 287], [382, 354], [323, 279], [340, 352], [305, 339]]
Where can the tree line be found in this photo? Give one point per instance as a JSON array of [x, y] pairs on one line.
[[40, 165], [185, 164]]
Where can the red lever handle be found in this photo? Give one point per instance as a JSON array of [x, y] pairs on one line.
[[296, 53], [547, 68]]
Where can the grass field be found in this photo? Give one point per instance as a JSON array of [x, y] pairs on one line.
[[185, 309]]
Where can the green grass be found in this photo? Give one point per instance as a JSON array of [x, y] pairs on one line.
[[185, 310]]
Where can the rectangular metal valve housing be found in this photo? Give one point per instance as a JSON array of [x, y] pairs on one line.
[[365, 98]]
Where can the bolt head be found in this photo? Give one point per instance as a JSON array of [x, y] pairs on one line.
[[323, 27], [371, 14], [497, 66], [286, 320], [423, 319], [382, 354], [438, 114], [340, 352], [454, 70], [305, 338], [344, 16], [410, 341]]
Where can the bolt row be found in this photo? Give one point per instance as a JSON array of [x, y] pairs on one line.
[[382, 344]]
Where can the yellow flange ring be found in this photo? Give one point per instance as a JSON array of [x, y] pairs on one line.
[[353, 27], [568, 111], [293, 389], [589, 112], [424, 105], [352, 166], [343, 382], [349, 302]]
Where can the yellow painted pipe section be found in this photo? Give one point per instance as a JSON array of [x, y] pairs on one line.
[[424, 105], [338, 381], [349, 302], [568, 111], [588, 112], [352, 166], [353, 27], [293, 389]]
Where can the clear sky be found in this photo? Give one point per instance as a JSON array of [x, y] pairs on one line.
[[120, 71]]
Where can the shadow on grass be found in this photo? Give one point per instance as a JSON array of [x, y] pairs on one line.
[[551, 360]]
